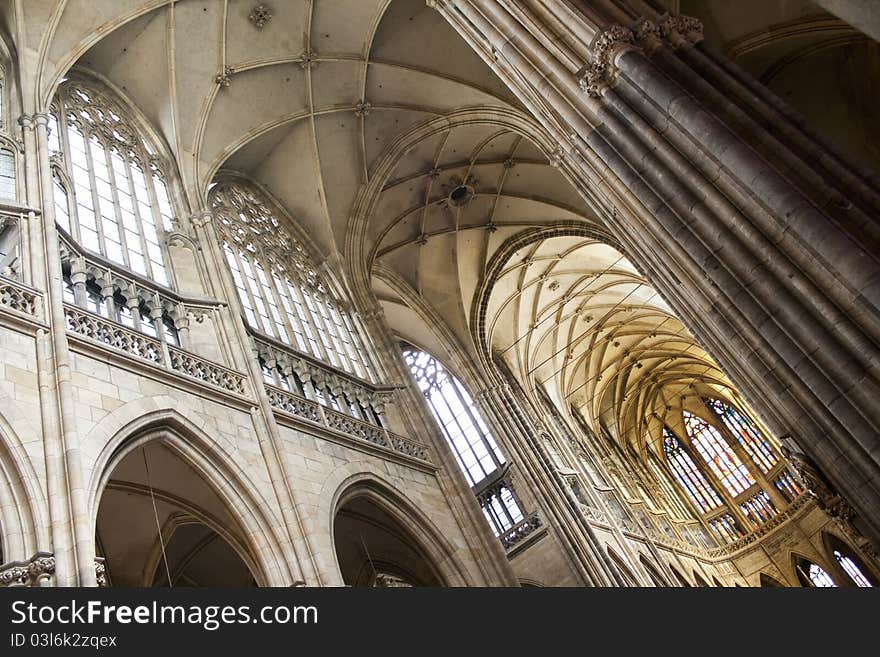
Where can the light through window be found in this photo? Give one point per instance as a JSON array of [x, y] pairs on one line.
[[753, 441], [280, 291], [121, 207], [468, 437], [850, 568], [688, 474], [718, 455], [819, 577]]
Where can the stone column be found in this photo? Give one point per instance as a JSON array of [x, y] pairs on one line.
[[763, 239], [297, 547], [72, 533]]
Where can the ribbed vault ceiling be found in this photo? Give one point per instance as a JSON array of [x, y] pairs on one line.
[[573, 316], [311, 103]]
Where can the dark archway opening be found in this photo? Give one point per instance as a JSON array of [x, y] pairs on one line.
[[374, 549], [159, 523]]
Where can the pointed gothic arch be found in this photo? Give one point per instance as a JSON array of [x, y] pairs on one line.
[[430, 557], [239, 514]]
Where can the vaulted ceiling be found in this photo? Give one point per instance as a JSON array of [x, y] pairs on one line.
[[330, 97]]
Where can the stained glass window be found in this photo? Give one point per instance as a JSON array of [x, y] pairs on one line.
[[121, 207], [468, 437], [725, 527], [850, 568], [718, 455], [753, 441], [819, 577], [787, 484], [758, 509], [689, 476], [281, 293]]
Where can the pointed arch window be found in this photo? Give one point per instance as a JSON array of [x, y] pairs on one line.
[[819, 577], [757, 446], [121, 207], [468, 437], [280, 291], [852, 569], [721, 459], [701, 492]]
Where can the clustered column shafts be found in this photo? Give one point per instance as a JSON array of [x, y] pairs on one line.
[[72, 536], [297, 544], [780, 287]]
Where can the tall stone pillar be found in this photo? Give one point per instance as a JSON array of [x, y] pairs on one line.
[[73, 540], [762, 237]]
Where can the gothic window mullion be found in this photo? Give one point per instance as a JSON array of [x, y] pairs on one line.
[[476, 423], [136, 212], [716, 484], [357, 331], [117, 211], [156, 214], [312, 300], [279, 316], [291, 319], [463, 436], [293, 287], [755, 470], [241, 259], [300, 291], [81, 191]]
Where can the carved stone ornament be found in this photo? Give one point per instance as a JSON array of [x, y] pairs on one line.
[[608, 44], [260, 15], [40, 567], [224, 78], [680, 30]]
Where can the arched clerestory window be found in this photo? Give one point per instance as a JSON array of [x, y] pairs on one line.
[[759, 448], [117, 202], [701, 492], [852, 570], [468, 437], [721, 459], [281, 293]]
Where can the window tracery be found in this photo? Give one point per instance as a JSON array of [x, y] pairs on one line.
[[820, 578], [469, 438], [758, 447], [721, 459], [701, 492], [117, 201], [281, 292]]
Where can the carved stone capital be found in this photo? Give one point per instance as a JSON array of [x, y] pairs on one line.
[[607, 47], [680, 30], [201, 219], [38, 568]]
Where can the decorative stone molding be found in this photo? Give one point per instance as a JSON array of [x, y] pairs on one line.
[[17, 297], [225, 77], [308, 59], [363, 109], [680, 30], [38, 570], [260, 15], [101, 572], [768, 527], [519, 532], [608, 45], [646, 35]]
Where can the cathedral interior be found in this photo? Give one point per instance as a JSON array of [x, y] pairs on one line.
[[461, 293]]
